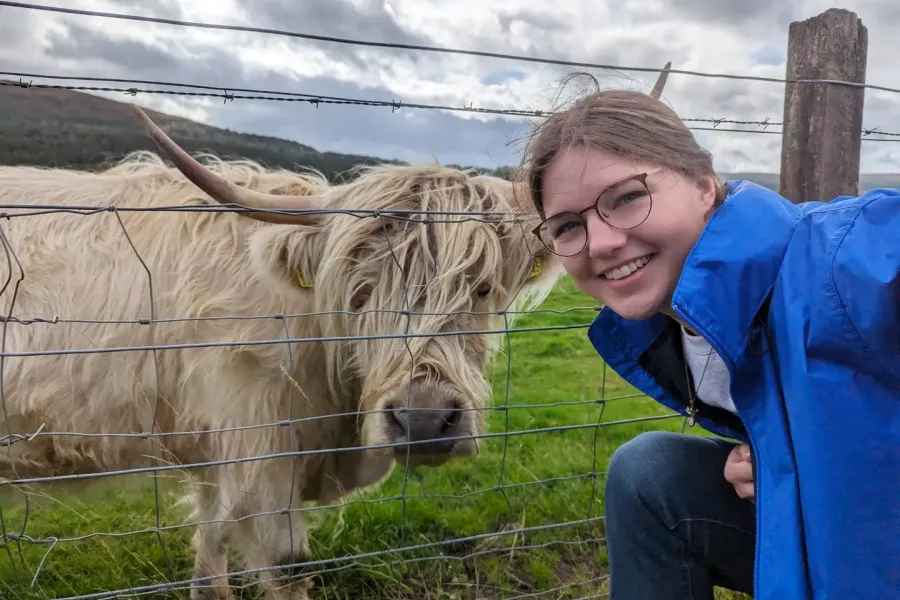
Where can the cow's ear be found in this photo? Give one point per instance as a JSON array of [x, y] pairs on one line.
[[538, 269], [546, 267], [285, 255], [545, 270]]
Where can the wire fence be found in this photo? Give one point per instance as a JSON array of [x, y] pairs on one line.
[[511, 536], [520, 519], [230, 94]]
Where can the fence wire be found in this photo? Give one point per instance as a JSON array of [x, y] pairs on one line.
[[231, 93], [423, 48], [451, 516]]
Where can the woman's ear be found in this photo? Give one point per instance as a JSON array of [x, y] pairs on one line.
[[707, 189]]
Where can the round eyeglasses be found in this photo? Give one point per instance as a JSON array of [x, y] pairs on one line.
[[623, 205]]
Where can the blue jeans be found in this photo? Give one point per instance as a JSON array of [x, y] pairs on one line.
[[674, 526]]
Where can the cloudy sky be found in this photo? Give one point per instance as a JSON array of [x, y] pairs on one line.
[[722, 36]]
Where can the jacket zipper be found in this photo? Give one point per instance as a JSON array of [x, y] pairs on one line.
[[692, 412]]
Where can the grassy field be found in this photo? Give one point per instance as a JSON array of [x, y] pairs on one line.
[[460, 500]]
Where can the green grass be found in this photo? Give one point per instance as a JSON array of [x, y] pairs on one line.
[[546, 368]]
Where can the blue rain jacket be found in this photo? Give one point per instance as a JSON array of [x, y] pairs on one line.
[[802, 302]]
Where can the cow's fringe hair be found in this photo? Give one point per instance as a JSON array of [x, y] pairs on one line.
[[471, 252]]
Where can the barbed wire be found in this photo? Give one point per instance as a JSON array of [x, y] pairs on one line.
[[873, 130], [424, 48], [395, 105], [229, 94], [274, 96]]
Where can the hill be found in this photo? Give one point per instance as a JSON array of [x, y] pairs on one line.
[[52, 127], [867, 181]]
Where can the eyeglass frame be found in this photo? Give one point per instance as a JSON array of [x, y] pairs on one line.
[[641, 177]]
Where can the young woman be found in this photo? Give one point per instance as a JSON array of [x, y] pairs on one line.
[[773, 324]]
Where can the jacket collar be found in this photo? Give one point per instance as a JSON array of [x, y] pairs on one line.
[[727, 277]]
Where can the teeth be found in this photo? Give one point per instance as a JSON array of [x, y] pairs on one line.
[[628, 269]]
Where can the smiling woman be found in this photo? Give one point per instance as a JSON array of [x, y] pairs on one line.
[[754, 317]]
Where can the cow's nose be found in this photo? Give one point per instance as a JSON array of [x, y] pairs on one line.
[[419, 424]]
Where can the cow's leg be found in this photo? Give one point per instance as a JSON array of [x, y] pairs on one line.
[[213, 505], [269, 536]]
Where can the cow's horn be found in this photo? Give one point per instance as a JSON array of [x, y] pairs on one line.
[[224, 191], [656, 92]]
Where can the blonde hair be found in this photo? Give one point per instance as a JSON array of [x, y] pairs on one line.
[[622, 122]]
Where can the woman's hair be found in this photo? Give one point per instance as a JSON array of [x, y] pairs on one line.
[[625, 123]]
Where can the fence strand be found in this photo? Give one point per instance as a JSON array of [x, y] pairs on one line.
[[228, 95], [424, 48]]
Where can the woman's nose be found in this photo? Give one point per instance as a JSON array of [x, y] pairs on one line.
[[603, 238]]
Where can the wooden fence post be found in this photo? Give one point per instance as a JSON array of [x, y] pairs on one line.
[[822, 132]]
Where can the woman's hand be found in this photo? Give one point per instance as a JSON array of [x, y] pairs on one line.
[[739, 472]]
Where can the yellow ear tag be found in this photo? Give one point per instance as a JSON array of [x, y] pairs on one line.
[[302, 280], [537, 269]]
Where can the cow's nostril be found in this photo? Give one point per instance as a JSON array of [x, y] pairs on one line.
[[400, 417], [451, 420]]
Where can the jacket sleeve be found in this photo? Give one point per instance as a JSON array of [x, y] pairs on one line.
[[863, 277]]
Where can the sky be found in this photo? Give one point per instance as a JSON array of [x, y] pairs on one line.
[[718, 36]]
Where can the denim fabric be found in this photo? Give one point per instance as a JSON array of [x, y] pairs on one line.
[[674, 526]]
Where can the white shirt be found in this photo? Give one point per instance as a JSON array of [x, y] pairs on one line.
[[711, 386]]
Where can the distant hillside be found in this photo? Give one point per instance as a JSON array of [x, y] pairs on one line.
[[73, 129], [867, 181], [66, 128]]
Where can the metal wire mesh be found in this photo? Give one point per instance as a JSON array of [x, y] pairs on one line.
[[521, 520], [33, 546]]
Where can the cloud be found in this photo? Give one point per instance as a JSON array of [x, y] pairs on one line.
[[729, 36], [737, 15]]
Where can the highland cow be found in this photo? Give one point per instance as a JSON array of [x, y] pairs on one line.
[[367, 276]]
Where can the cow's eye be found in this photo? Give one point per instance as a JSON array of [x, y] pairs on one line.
[[484, 289]]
